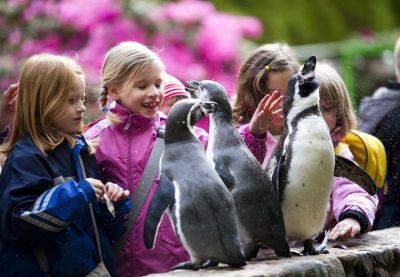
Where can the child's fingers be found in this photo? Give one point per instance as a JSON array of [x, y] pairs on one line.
[[278, 101], [278, 112], [97, 186], [261, 105], [115, 192], [354, 232]]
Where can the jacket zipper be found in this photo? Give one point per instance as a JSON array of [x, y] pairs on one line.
[[127, 128]]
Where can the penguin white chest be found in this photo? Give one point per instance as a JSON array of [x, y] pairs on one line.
[[309, 179]]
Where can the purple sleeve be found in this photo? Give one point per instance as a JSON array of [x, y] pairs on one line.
[[257, 146], [348, 196]]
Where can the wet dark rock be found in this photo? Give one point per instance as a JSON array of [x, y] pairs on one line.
[[375, 254]]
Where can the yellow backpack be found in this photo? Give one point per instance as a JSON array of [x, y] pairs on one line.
[[369, 153]]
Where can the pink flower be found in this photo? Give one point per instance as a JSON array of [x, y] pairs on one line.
[[184, 12], [251, 27], [86, 14]]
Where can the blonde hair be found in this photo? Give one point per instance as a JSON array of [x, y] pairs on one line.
[[332, 89], [44, 85], [126, 60], [251, 81], [397, 59]]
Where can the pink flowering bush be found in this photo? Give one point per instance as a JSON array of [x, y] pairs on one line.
[[194, 40]]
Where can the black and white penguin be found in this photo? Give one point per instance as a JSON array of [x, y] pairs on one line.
[[302, 165], [256, 201], [200, 206]]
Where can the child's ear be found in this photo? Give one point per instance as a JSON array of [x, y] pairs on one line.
[[113, 92]]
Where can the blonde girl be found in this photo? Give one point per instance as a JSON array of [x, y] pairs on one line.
[[44, 196], [351, 210], [132, 76]]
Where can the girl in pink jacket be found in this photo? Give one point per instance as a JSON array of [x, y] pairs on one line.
[[266, 70], [132, 76]]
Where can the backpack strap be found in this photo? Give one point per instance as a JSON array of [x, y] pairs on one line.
[[143, 188], [41, 259]]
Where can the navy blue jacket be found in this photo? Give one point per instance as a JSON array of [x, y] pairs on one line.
[[42, 204], [379, 115]]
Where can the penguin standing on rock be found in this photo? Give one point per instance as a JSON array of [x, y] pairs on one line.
[[303, 163], [256, 201], [200, 206]]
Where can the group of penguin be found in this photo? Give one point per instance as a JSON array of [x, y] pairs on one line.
[[223, 205]]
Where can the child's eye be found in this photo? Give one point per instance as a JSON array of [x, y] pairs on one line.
[[158, 86]]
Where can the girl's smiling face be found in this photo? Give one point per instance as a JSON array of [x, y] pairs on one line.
[[142, 95]]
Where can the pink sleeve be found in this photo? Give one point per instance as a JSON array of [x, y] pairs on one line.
[[347, 195], [257, 146], [202, 135]]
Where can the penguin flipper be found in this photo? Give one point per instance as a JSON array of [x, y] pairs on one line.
[[350, 170], [163, 196], [277, 177], [225, 174]]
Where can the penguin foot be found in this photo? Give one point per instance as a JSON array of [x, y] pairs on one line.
[[187, 265], [309, 248], [251, 251], [209, 263], [295, 253]]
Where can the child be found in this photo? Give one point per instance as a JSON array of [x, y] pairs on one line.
[[379, 115], [132, 76], [265, 71], [45, 208], [351, 210], [174, 91]]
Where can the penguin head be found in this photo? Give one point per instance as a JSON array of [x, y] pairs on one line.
[[208, 90], [185, 113], [302, 90]]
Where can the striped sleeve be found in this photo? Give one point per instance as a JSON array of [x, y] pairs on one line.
[[32, 205]]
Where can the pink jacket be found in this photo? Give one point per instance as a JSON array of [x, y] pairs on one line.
[[122, 153], [345, 197]]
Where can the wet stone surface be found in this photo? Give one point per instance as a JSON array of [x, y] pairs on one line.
[[375, 254]]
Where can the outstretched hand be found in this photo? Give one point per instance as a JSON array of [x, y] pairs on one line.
[[348, 227], [7, 105], [268, 115]]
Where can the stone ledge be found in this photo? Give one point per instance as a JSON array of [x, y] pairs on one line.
[[375, 254]]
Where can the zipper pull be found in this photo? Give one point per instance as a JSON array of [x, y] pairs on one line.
[[128, 123]]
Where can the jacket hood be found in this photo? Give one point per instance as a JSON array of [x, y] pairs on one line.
[[374, 108]]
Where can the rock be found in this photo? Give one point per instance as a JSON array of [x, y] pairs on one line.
[[375, 254]]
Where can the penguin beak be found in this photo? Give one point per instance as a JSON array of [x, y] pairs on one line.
[[210, 107], [193, 87], [309, 65]]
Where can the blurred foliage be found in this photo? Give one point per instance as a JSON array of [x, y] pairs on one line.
[[304, 22]]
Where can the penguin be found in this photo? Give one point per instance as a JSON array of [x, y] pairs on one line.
[[199, 205], [302, 164], [257, 207]]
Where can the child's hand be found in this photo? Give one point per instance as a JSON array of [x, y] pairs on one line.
[[348, 227], [267, 115], [115, 192], [97, 186], [7, 106]]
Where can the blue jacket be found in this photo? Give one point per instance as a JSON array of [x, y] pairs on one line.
[[42, 204]]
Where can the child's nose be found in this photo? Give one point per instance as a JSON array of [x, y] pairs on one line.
[[81, 107], [155, 91]]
